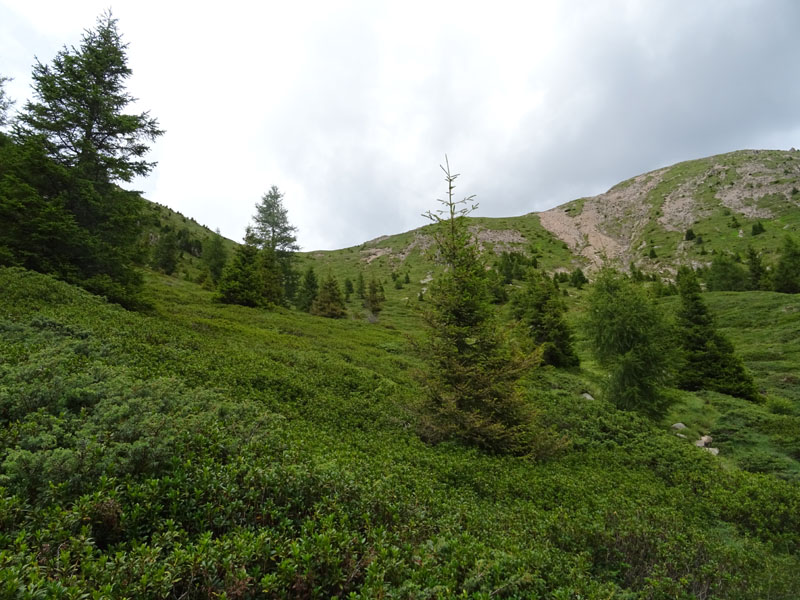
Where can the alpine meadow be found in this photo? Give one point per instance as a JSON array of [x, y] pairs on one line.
[[597, 401]]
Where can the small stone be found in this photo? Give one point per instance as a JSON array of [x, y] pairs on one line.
[[713, 451], [587, 395], [680, 435], [679, 426]]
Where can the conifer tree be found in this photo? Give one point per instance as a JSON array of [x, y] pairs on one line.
[[374, 298], [756, 269], [786, 278], [242, 280], [707, 360], [348, 289], [273, 232], [272, 277], [577, 279], [329, 301], [77, 143], [214, 256], [630, 339], [539, 305], [473, 372], [726, 275], [308, 290], [165, 256], [360, 288]]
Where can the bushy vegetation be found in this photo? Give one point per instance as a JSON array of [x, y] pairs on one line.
[[141, 461]]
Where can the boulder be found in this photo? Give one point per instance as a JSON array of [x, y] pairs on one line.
[[679, 426]]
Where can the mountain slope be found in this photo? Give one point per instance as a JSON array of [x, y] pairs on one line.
[[720, 198]]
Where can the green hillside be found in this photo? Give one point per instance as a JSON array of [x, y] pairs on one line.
[[202, 449]]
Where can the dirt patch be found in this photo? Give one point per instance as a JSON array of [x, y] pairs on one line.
[[597, 233]]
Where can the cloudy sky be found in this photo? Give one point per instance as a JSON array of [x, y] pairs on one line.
[[350, 107]]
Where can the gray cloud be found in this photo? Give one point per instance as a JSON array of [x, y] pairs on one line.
[[350, 108]]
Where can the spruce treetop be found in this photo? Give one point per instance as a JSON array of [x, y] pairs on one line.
[[79, 109]]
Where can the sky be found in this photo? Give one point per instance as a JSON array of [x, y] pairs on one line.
[[350, 107]]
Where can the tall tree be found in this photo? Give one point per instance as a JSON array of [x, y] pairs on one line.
[[272, 231], [77, 143], [541, 307], [473, 372], [78, 112], [708, 360], [271, 226], [631, 340]]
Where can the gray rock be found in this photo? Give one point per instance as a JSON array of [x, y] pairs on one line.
[[680, 435], [587, 395], [679, 426], [713, 451]]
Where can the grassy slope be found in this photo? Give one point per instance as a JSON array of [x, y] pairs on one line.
[[204, 449]]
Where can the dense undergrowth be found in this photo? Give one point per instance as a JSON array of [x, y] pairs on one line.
[[202, 450]]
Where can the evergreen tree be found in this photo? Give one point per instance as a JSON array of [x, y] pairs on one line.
[[77, 143], [374, 298], [758, 228], [308, 290], [539, 305], [756, 269], [786, 278], [471, 381], [360, 289], [577, 279], [708, 360], [689, 235], [215, 256], [271, 226], [272, 278], [348, 289], [726, 275], [329, 301], [166, 252], [272, 231], [242, 280], [630, 339]]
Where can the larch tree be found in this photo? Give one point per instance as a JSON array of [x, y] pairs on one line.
[[273, 232], [630, 339]]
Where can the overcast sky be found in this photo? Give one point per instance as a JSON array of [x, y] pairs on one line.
[[350, 107]]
